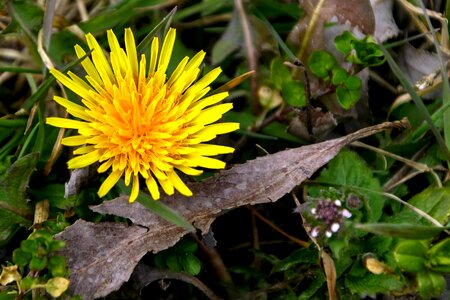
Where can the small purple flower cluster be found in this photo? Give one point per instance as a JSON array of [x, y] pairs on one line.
[[331, 215]]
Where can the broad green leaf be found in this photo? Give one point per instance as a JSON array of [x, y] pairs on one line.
[[439, 256], [38, 263], [353, 83], [279, 73], [348, 170], [343, 42], [402, 230], [430, 284], [433, 201], [321, 63], [372, 284], [339, 76], [411, 256], [301, 256], [368, 53], [14, 208], [294, 93], [317, 282], [8, 295], [346, 97], [21, 258], [191, 264], [28, 16]]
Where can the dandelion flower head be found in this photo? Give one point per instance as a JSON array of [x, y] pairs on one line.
[[138, 121]]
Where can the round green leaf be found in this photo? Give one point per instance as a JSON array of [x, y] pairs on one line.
[[430, 284], [294, 93], [339, 76], [30, 246], [343, 42], [411, 255], [353, 83], [321, 63], [38, 263], [347, 98], [279, 73], [21, 258], [57, 265], [173, 264], [55, 245], [187, 246], [192, 265]]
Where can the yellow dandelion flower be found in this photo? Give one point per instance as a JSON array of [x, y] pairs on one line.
[[140, 122]]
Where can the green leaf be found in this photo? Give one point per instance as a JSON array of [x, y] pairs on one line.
[[56, 245], [21, 258], [163, 211], [348, 170], [434, 201], [368, 53], [372, 284], [430, 284], [343, 42], [439, 256], [339, 76], [8, 295], [186, 246], [14, 208], [347, 98], [301, 256], [411, 256], [314, 286], [30, 246], [57, 265], [294, 93], [402, 230], [191, 264], [353, 83], [321, 63], [279, 73], [38, 263], [173, 263]]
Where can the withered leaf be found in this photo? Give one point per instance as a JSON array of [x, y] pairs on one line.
[[102, 256]]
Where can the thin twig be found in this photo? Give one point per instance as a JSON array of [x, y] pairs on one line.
[[251, 53], [278, 229]]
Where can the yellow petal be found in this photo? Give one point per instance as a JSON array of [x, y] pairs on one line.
[[109, 182], [167, 186], [205, 81], [87, 64], [210, 150], [105, 166], [69, 83], [206, 162], [153, 56], [166, 50], [74, 109], [153, 187], [179, 184], [211, 114], [188, 170], [76, 140], [134, 189], [66, 123], [130, 46], [85, 160]]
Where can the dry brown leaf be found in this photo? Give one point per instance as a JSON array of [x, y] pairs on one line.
[[102, 256], [330, 273]]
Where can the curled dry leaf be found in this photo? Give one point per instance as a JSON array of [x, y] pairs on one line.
[[385, 26], [102, 256]]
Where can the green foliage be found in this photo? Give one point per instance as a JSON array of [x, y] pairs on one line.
[[365, 52], [352, 173], [293, 92], [179, 258]]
